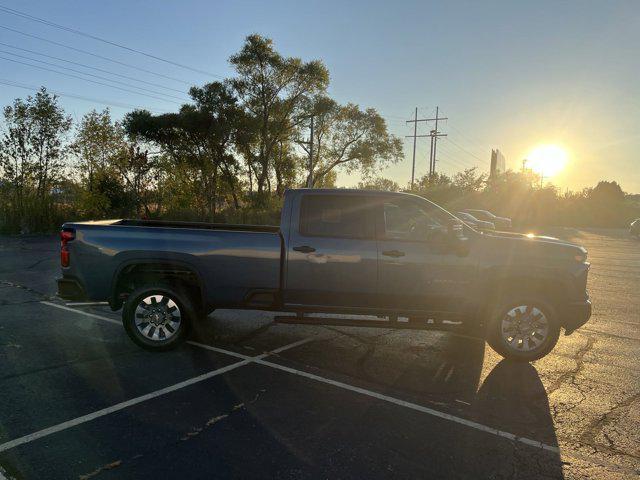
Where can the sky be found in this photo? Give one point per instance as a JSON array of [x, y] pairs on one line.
[[510, 75]]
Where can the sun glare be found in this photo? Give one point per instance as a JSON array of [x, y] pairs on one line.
[[547, 160]]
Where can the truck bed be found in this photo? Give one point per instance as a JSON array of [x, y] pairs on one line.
[[232, 261], [178, 224]]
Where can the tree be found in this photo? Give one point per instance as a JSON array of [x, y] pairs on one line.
[[351, 139], [200, 137], [607, 193], [382, 184], [469, 180], [32, 153], [136, 169], [274, 90], [98, 139]]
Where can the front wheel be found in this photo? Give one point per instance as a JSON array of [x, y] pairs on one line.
[[523, 329], [156, 317]]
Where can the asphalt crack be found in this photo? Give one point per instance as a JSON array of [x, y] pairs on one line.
[[218, 418], [597, 427], [108, 466], [571, 375], [42, 295]]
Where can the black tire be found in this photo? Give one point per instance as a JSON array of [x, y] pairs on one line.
[[174, 335], [529, 349]]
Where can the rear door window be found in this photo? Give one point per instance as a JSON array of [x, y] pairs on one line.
[[344, 216]]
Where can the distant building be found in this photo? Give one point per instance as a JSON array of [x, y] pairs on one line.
[[497, 162]]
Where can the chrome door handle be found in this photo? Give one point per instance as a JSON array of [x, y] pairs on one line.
[[393, 253], [304, 249]]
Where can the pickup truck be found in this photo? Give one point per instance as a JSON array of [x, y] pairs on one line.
[[339, 251]]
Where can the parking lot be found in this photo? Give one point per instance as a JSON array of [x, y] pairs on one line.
[[247, 398]]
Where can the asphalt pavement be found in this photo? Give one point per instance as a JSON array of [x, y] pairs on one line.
[[248, 398]]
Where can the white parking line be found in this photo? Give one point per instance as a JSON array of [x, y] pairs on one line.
[[260, 360], [451, 418], [190, 342], [117, 407], [412, 406], [246, 357], [81, 312], [134, 401]]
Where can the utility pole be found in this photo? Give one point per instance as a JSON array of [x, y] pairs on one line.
[[434, 141], [433, 134], [415, 137]]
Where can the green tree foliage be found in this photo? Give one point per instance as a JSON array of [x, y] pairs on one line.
[[609, 193], [351, 139], [117, 175], [138, 174], [32, 154], [199, 140], [380, 184], [98, 139], [274, 90]]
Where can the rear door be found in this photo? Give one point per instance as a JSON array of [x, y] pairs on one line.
[[331, 251]]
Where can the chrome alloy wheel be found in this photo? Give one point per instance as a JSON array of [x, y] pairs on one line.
[[157, 317], [524, 328]]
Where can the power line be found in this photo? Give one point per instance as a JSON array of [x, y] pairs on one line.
[[86, 79], [467, 163], [454, 161], [92, 75], [103, 40], [448, 158], [11, 83], [91, 68], [128, 65], [465, 150], [469, 138]]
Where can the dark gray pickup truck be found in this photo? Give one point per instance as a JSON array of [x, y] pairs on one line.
[[335, 251]]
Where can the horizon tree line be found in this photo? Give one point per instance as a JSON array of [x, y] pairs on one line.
[[228, 154]]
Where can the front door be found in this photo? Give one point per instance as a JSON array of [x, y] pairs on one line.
[[418, 270], [331, 252]]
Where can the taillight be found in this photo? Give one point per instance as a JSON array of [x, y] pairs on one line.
[[65, 237]]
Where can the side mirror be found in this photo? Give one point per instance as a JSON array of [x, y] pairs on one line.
[[457, 239]]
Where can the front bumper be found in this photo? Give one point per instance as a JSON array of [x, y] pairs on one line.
[[576, 314], [70, 289]]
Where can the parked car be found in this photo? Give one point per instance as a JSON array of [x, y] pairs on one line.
[[634, 228], [501, 223], [339, 251], [472, 221]]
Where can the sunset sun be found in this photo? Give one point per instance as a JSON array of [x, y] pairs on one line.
[[547, 160]]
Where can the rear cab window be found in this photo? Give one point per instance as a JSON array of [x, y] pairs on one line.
[[338, 216]]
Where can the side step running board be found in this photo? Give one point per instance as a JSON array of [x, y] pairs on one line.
[[417, 324]]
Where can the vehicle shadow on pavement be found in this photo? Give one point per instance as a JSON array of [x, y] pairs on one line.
[[445, 372], [512, 398]]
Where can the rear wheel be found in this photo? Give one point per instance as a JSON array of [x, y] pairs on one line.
[[157, 317], [523, 329]]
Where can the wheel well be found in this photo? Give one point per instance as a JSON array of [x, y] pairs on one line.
[[549, 289], [139, 274]]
